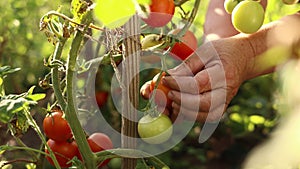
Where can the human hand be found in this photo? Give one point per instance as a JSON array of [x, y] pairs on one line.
[[205, 83]]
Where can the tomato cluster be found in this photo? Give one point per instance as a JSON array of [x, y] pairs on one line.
[[62, 143], [247, 16]]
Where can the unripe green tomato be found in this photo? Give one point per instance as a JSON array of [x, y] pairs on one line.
[[248, 16], [290, 2], [155, 130], [229, 5]]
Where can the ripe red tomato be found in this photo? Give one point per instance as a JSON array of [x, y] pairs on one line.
[[161, 12], [56, 127], [99, 142], [101, 98], [161, 95], [64, 152], [187, 45]]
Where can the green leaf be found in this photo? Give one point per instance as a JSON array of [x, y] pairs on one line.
[[12, 104], [4, 70], [30, 91], [36, 97], [114, 13]]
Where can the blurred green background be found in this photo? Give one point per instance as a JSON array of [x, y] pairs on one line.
[[251, 116]]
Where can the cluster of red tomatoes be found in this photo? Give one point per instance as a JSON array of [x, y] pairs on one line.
[[62, 143], [161, 13]]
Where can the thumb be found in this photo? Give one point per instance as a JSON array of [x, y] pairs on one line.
[[196, 61]]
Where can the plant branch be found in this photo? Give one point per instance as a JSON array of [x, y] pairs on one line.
[[71, 110], [42, 137], [55, 74], [190, 19]]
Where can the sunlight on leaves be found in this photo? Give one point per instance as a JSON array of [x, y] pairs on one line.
[[256, 119], [120, 15]]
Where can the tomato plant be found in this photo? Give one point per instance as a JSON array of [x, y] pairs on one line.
[[99, 142], [161, 12], [64, 152], [186, 46], [248, 16], [56, 127], [229, 5], [101, 98], [155, 130], [161, 94]]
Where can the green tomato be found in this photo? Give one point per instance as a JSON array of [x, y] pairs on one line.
[[155, 130], [248, 16], [229, 5]]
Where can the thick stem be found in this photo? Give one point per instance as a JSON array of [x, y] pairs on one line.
[[55, 74], [71, 115], [71, 110]]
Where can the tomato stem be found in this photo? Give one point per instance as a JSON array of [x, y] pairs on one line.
[[71, 109], [55, 73], [42, 137], [190, 19]]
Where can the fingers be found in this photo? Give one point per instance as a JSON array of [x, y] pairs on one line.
[[199, 103], [211, 116], [145, 90], [207, 79], [195, 62], [188, 84]]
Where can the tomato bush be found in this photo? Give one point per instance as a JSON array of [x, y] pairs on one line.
[[56, 127], [64, 152], [155, 130], [161, 94], [185, 47], [248, 16], [161, 12]]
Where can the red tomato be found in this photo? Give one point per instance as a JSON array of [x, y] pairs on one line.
[[101, 98], [187, 45], [99, 142], [64, 152], [56, 127], [161, 12], [161, 95]]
